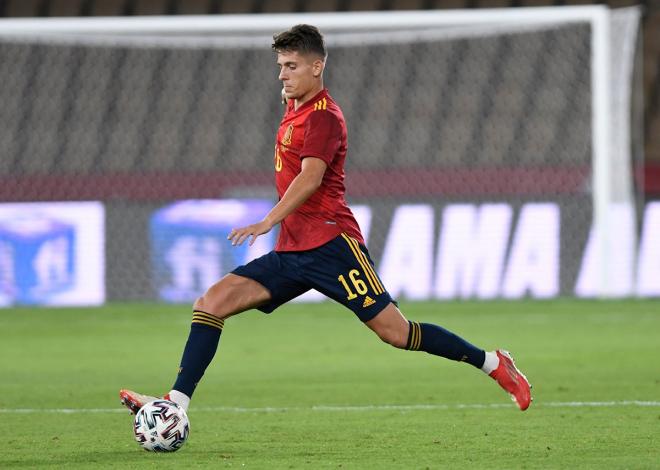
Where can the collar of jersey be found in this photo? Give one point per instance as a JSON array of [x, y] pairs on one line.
[[310, 102]]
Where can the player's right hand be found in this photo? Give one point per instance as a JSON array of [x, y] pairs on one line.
[[238, 235]]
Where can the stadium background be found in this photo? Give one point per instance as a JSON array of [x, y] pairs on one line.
[[138, 128], [309, 387]]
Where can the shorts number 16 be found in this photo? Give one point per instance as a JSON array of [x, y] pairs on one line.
[[358, 284]]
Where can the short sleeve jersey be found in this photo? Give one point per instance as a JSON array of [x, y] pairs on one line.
[[316, 129]]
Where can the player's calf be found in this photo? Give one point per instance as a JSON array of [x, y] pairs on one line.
[[394, 337], [391, 326], [438, 341]]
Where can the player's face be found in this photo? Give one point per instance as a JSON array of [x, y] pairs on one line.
[[299, 73]]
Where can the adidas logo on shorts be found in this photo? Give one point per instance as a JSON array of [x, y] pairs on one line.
[[368, 301]]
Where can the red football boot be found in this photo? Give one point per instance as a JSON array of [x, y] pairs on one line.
[[512, 380], [134, 401]]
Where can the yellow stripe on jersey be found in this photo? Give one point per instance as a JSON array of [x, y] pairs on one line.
[[366, 267], [321, 104], [207, 319]]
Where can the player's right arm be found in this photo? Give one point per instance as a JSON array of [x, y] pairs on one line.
[[301, 188]]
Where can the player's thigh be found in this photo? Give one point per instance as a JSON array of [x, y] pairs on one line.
[[231, 295], [279, 273], [342, 270]]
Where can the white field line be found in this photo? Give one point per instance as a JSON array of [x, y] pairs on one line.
[[361, 408]]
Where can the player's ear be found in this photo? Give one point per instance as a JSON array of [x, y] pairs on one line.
[[317, 67]]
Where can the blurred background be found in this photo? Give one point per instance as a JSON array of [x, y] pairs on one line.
[[125, 159]]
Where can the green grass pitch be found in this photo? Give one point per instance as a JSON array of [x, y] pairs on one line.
[[309, 387]]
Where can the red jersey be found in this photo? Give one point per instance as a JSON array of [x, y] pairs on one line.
[[316, 129]]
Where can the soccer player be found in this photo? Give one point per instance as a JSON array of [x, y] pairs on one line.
[[319, 244]]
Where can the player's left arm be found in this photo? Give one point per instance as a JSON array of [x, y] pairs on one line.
[[301, 188]]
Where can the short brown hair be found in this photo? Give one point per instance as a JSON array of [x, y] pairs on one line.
[[302, 38]]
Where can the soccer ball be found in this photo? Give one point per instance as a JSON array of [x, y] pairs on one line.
[[161, 426]]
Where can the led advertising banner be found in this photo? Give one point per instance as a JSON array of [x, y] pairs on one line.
[[52, 254], [425, 251], [189, 247], [498, 250]]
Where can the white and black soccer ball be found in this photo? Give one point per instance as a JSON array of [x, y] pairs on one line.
[[161, 426]]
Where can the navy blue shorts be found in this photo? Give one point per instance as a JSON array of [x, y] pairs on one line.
[[341, 269]]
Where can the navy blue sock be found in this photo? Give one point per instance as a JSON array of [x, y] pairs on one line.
[[436, 340], [199, 351]]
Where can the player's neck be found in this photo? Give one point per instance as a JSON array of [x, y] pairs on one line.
[[298, 102]]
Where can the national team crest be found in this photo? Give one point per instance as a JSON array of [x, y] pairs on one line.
[[286, 140]]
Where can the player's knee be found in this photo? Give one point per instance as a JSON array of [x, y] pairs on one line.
[[199, 304], [225, 298], [213, 302]]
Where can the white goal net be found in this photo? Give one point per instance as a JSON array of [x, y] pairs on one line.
[[489, 150]]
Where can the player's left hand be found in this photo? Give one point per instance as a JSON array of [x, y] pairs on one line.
[[238, 235]]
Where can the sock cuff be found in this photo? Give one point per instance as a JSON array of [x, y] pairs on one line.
[[207, 319], [414, 336]]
